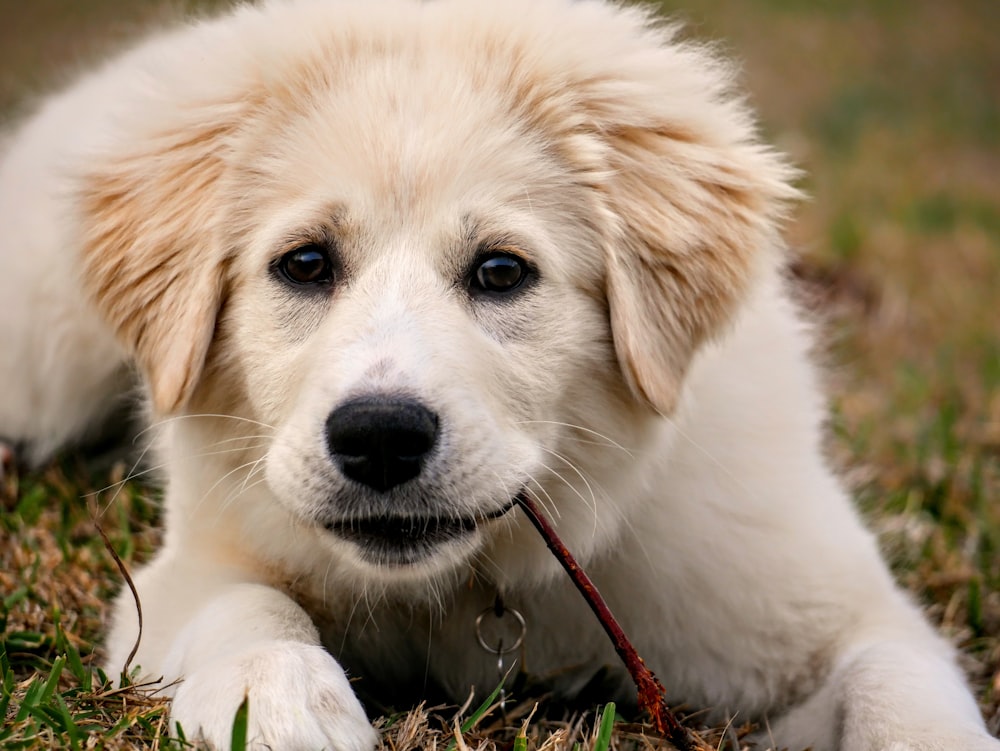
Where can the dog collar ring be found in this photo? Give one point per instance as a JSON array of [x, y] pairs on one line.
[[500, 612]]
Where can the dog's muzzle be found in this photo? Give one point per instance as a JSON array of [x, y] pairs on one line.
[[381, 442]]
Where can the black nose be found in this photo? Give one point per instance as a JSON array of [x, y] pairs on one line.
[[381, 441]]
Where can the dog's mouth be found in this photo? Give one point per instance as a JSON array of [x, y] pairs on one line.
[[404, 540]]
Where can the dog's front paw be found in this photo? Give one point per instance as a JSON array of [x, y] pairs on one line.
[[298, 699]]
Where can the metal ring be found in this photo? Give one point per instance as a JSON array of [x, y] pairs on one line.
[[503, 650]]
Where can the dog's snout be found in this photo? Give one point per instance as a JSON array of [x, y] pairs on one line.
[[381, 441]]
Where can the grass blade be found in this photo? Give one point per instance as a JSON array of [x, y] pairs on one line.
[[238, 741], [603, 740], [53, 681], [477, 715]]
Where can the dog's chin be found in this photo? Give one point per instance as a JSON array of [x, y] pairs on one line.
[[403, 542]]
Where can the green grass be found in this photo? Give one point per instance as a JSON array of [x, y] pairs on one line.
[[893, 109], [57, 578]]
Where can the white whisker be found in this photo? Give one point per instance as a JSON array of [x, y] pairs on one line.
[[135, 474], [204, 415], [605, 440], [580, 474], [219, 481], [551, 509]]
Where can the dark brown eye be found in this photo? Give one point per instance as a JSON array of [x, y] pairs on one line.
[[309, 264], [500, 273]]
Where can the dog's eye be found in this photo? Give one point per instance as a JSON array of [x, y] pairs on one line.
[[309, 264], [500, 272]]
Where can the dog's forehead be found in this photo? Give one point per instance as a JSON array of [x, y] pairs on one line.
[[404, 138]]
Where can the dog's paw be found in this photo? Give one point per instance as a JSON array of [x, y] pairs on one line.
[[298, 700]]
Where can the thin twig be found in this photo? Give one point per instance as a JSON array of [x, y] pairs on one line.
[[651, 691], [135, 595]]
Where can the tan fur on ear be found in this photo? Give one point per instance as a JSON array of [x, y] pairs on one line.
[[689, 199], [152, 260], [696, 224]]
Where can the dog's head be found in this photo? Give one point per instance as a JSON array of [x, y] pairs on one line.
[[446, 252]]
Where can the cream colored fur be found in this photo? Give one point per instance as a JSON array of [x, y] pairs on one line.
[[653, 388]]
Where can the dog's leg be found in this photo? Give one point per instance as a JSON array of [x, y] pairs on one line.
[[896, 690], [223, 639]]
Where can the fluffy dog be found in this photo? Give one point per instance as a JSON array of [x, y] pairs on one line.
[[383, 266]]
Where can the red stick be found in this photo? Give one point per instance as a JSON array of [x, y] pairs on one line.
[[651, 691]]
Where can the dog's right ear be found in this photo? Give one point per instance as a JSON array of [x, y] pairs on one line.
[[152, 256]]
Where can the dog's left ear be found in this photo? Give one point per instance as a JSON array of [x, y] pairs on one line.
[[694, 203], [695, 226], [152, 260]]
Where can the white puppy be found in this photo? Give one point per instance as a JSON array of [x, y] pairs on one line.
[[383, 266]]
